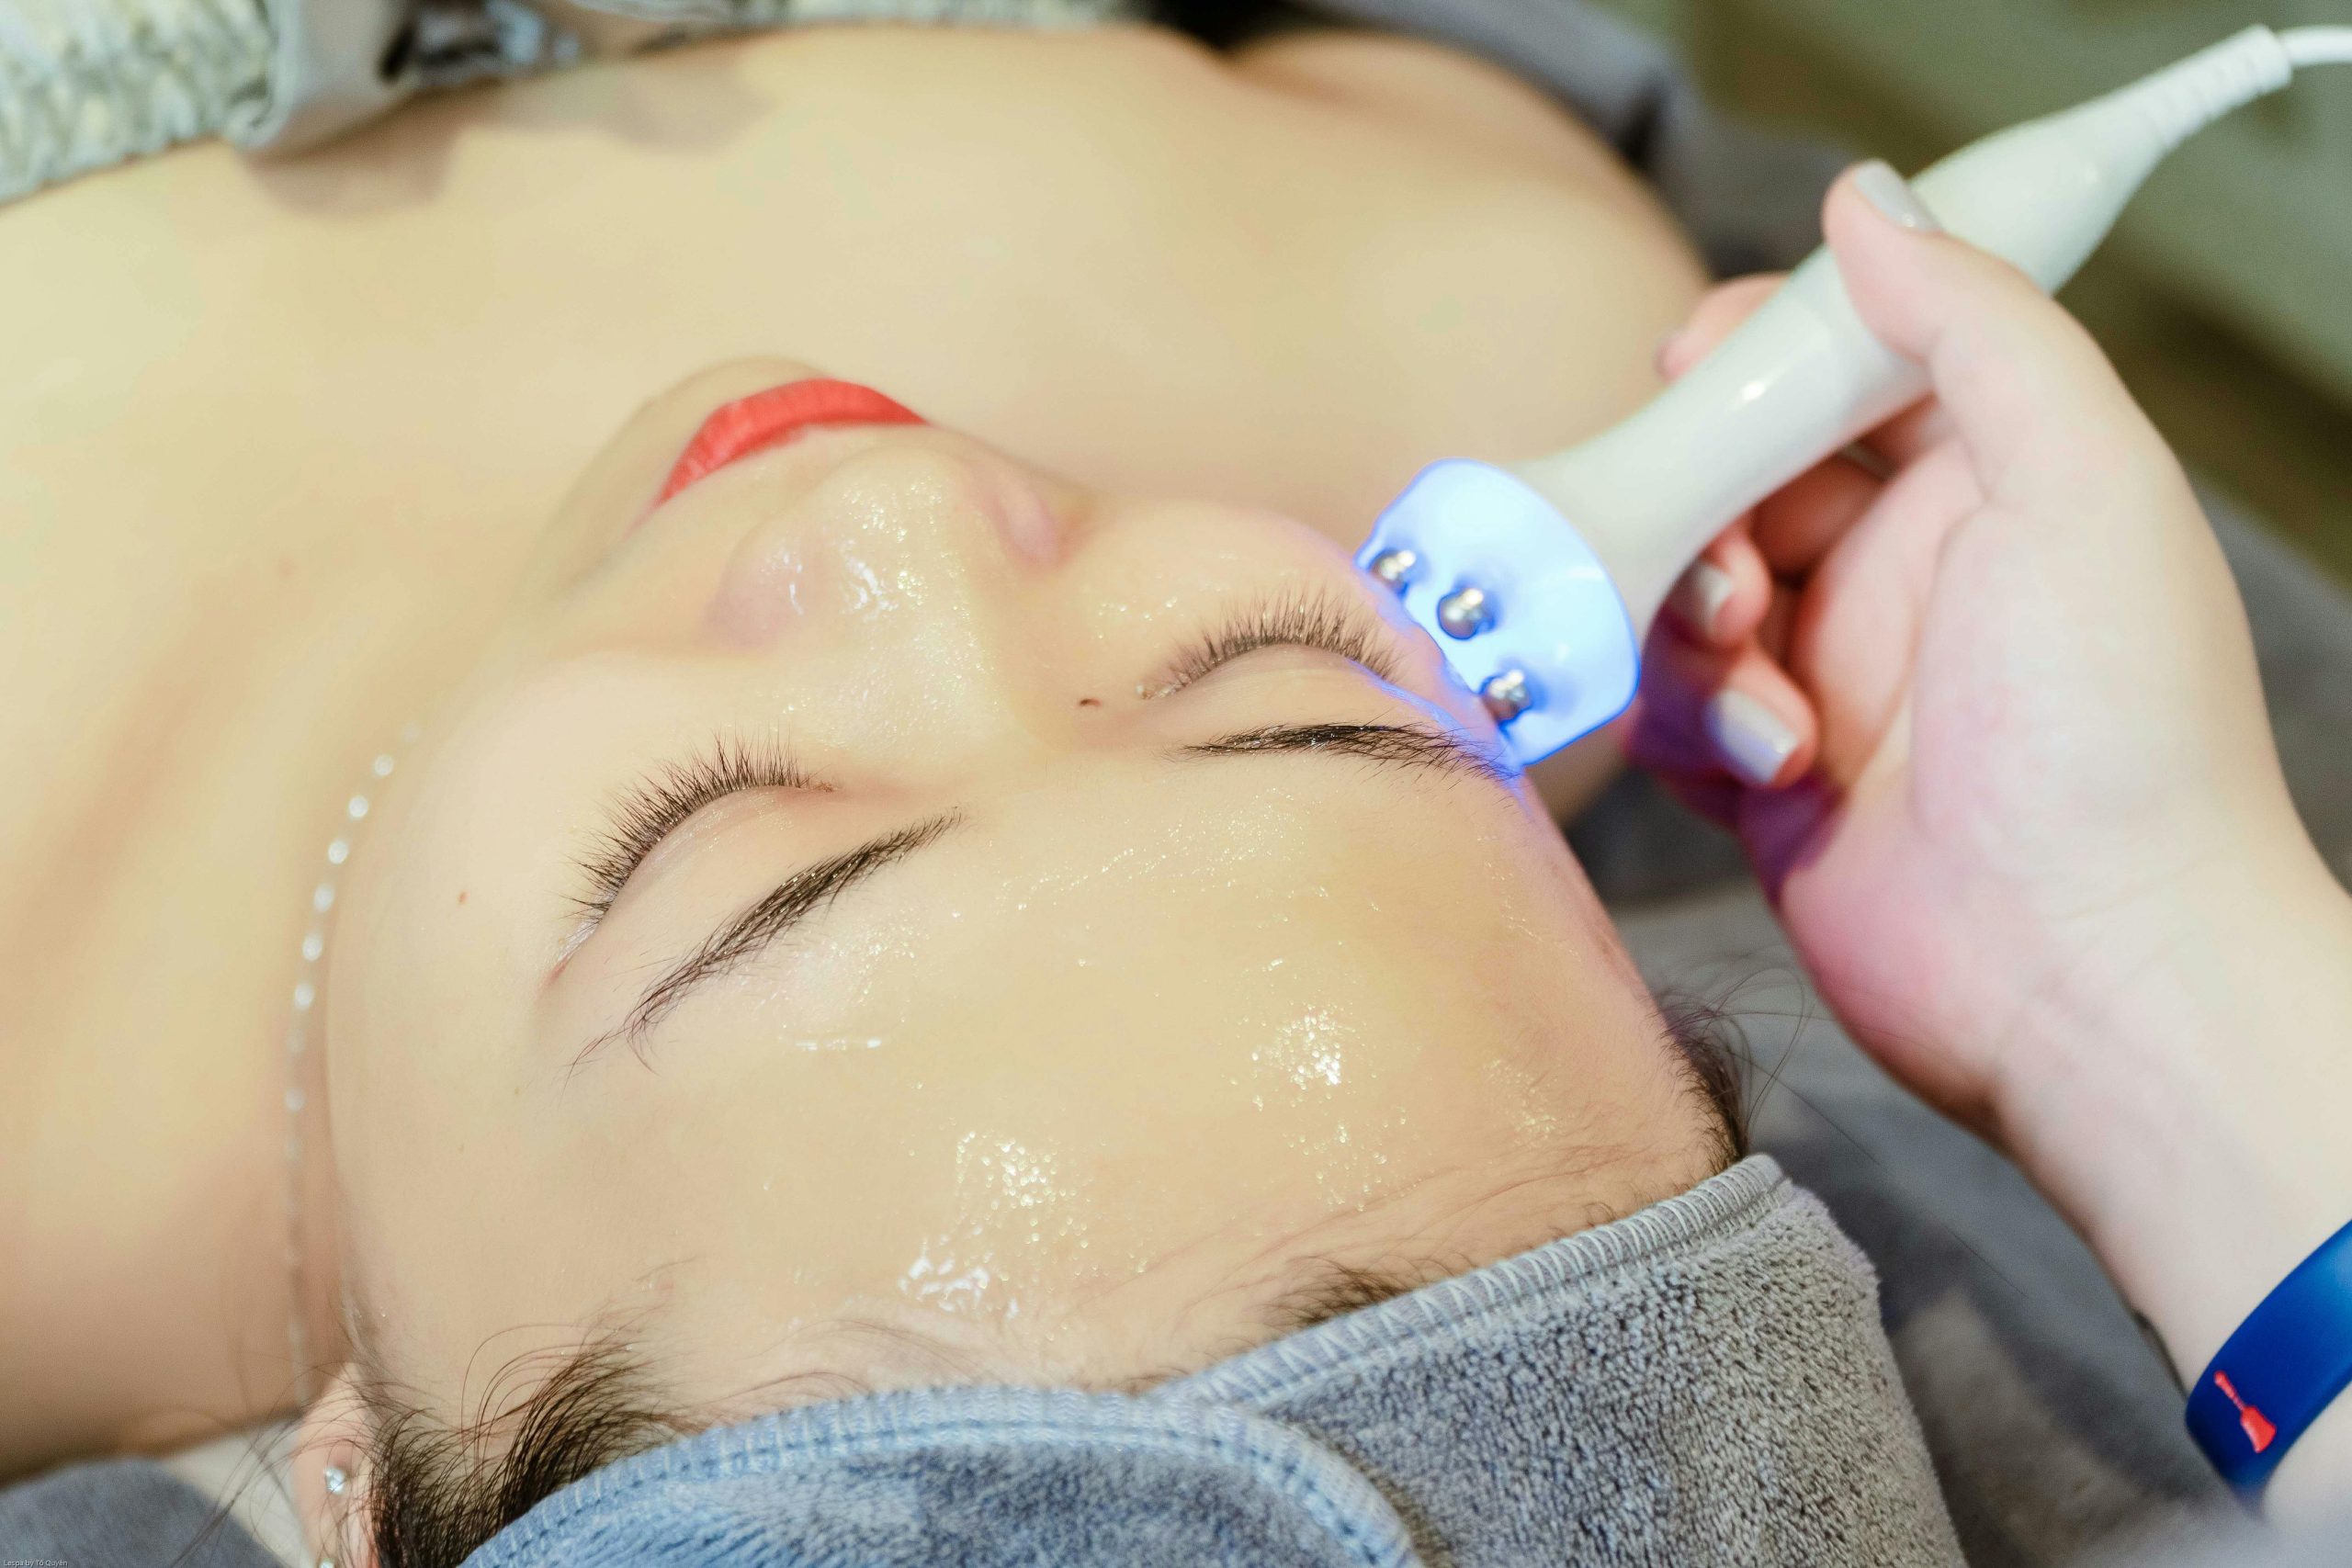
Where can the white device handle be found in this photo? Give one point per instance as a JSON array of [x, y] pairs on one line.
[[1802, 376]]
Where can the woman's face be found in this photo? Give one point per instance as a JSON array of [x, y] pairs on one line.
[[882, 916]]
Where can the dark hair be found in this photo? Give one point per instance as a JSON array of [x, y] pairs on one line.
[[437, 1493], [1714, 1057]]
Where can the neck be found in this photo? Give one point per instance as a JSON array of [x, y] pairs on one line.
[[159, 872], [314, 1340]]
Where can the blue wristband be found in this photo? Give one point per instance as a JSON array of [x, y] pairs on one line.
[[2285, 1364]]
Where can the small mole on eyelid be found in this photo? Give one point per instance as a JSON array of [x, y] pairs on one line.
[[1090, 702]]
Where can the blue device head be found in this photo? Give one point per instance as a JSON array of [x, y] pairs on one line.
[[1525, 611]]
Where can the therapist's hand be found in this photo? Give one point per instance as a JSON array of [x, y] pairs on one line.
[[1992, 731]]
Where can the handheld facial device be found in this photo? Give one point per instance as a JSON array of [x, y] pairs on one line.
[[1539, 579]]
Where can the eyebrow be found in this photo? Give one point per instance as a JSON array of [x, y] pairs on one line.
[[808, 891]]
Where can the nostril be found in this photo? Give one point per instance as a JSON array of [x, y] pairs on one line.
[[1025, 516], [762, 591]]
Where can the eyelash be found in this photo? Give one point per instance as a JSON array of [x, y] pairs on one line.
[[1307, 618], [652, 810]]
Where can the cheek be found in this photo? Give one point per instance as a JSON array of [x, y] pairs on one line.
[[437, 1097], [1212, 1048]]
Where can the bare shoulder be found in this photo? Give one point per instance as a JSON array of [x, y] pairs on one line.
[[1437, 87]]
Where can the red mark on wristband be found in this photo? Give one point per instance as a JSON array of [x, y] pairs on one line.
[[2257, 1427]]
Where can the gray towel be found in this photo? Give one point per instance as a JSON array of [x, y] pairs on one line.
[[1702, 1382], [121, 1513]]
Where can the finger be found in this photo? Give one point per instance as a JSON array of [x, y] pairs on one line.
[[1854, 635], [1722, 596], [1714, 797], [2025, 389], [1759, 724], [1772, 633], [1663, 742], [1710, 320], [1668, 736], [1909, 435], [1796, 524], [1705, 710]]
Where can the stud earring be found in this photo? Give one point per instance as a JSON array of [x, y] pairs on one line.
[[336, 1481]]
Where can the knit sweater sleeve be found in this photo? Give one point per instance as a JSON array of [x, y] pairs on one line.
[[86, 84]]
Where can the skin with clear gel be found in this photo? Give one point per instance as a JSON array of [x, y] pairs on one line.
[[1155, 1008]]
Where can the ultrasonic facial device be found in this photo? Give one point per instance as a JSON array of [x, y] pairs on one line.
[[1539, 579]]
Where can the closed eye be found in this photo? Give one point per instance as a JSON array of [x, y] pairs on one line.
[[1333, 622], [804, 893], [642, 816], [1390, 745], [656, 807]]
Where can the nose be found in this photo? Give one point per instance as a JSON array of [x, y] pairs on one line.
[[902, 575]]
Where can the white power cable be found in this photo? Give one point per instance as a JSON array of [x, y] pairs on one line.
[[2318, 46]]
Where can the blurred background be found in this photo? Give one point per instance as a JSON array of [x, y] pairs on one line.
[[2225, 295]]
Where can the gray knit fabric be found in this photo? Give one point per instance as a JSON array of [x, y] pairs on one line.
[[120, 1513], [87, 83], [84, 83], [1703, 1381]]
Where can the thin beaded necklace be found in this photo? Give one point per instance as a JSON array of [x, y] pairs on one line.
[[305, 998]]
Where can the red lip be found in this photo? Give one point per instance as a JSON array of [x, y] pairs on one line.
[[774, 417]]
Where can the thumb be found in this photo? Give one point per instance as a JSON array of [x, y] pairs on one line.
[[2039, 409]]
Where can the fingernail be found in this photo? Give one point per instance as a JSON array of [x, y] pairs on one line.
[[1751, 735], [1701, 596], [1895, 198]]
